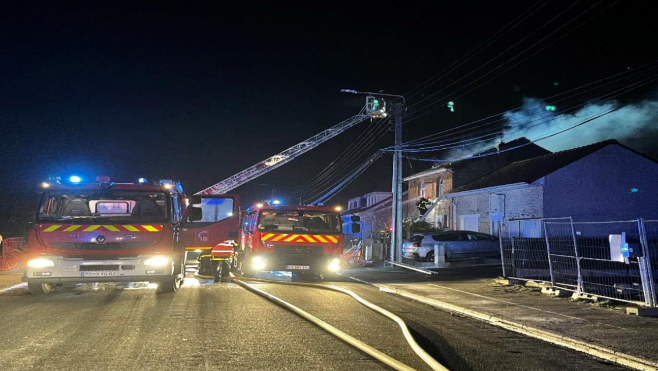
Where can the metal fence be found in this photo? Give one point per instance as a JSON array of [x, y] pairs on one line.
[[607, 259]]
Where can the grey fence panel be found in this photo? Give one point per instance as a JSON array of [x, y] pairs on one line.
[[524, 250], [564, 260], [581, 258], [651, 238]]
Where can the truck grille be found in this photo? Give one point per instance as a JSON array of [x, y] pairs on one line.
[[303, 255], [93, 268], [95, 246]]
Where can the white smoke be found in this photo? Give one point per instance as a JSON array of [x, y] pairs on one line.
[[633, 125]]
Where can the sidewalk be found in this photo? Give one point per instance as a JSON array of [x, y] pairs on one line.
[[474, 289]]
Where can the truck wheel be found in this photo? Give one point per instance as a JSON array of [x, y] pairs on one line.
[[169, 285], [39, 288], [173, 283]]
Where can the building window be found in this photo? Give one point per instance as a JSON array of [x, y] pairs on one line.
[[439, 188], [422, 189]]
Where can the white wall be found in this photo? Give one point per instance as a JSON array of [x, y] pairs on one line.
[[514, 202]]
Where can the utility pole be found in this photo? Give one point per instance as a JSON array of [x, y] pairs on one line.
[[373, 110], [396, 188]]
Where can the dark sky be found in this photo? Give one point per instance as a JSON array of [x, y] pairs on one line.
[[199, 90]]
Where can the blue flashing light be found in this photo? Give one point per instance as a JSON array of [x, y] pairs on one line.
[[276, 202], [75, 179], [142, 180], [634, 190]]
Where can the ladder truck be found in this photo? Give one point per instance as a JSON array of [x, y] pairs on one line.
[[218, 260]]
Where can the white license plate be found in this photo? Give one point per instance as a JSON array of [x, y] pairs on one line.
[[302, 267], [99, 274]]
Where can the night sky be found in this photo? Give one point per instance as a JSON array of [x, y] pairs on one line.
[[199, 90]]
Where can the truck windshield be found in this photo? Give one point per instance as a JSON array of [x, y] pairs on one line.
[[82, 206], [299, 221]]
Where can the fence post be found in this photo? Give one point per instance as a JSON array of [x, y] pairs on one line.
[[548, 252], [648, 283], [502, 251], [579, 287]]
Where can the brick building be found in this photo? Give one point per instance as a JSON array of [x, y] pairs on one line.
[[442, 178]]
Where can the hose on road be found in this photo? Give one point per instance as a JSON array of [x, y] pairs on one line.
[[426, 357]]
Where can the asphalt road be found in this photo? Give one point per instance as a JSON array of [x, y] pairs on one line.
[[209, 326]]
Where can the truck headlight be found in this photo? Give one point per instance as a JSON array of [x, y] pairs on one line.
[[157, 261], [334, 265], [40, 263], [258, 263]]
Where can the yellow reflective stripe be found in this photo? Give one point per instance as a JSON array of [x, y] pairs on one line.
[[308, 238], [267, 236], [92, 228], [149, 228], [111, 228], [72, 228], [277, 238], [319, 238], [130, 228], [199, 248], [292, 237], [52, 228], [332, 239]]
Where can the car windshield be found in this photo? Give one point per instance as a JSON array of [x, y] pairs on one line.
[[299, 221], [90, 206]]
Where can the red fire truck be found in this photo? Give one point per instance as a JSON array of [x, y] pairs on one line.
[[302, 239], [117, 232]]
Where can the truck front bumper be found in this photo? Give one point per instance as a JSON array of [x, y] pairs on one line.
[[128, 269]]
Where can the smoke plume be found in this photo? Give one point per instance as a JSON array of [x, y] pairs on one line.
[[635, 125]]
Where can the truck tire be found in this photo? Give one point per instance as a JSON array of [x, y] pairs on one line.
[[173, 283], [39, 288], [169, 285]]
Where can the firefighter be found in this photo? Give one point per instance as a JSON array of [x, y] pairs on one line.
[[422, 205], [221, 259]]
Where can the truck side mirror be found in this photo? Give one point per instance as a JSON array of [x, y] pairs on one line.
[[356, 227], [194, 214], [195, 200]]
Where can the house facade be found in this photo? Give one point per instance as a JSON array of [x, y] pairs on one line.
[[441, 179], [600, 182]]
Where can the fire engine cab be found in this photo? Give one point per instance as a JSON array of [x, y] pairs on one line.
[[302, 239], [121, 232]]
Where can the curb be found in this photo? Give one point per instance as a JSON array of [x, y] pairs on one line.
[[607, 354]]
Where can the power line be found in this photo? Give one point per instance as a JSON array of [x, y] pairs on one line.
[[468, 126], [437, 77], [418, 114], [332, 176]]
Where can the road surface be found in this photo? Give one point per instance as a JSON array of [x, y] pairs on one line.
[[206, 326]]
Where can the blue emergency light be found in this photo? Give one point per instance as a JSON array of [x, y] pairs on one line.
[[75, 179], [276, 202], [142, 180]]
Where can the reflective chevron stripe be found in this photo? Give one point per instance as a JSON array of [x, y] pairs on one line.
[[103, 228], [307, 238]]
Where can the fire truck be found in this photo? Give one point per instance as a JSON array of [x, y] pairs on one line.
[[303, 239], [113, 232], [122, 232]]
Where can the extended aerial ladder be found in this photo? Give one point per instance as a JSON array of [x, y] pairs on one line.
[[374, 108]]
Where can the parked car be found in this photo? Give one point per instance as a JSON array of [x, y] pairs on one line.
[[458, 244]]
